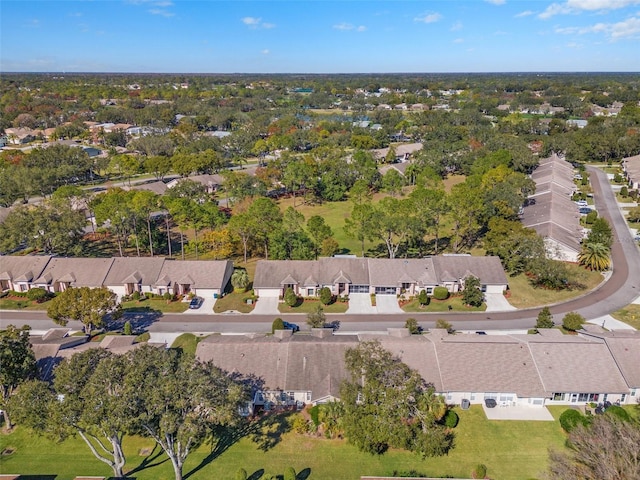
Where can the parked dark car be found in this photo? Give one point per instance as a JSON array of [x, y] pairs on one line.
[[490, 402], [291, 326], [196, 302], [584, 210]]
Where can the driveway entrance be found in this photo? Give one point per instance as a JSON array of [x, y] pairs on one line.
[[360, 303], [388, 304]]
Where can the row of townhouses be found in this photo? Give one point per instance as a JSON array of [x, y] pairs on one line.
[[344, 276], [516, 370]]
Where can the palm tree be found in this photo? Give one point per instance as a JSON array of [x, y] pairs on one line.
[[595, 256], [240, 280]]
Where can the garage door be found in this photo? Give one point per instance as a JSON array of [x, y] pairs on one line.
[[385, 290], [268, 292], [358, 288]]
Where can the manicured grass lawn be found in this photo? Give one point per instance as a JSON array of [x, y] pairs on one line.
[[188, 343], [629, 315], [234, 301], [308, 306], [16, 303], [155, 304], [442, 306], [523, 295], [515, 450]]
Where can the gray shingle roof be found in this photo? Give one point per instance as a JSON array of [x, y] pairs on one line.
[[23, 268], [488, 269], [81, 272], [198, 273]]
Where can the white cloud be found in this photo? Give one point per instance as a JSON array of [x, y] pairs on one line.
[[428, 18], [251, 21], [526, 13], [496, 2], [265, 51], [629, 28], [345, 27], [162, 12], [256, 22], [574, 45], [577, 6], [456, 27], [459, 40]]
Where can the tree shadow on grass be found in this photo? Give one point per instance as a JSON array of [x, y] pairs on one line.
[[257, 475], [304, 474], [147, 462]]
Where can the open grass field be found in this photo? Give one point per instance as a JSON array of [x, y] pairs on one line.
[[629, 315], [234, 301], [514, 450], [524, 295], [187, 342]]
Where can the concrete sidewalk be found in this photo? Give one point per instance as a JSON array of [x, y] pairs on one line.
[[518, 413], [496, 302], [610, 323]]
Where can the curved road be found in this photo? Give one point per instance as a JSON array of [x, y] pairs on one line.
[[622, 287]]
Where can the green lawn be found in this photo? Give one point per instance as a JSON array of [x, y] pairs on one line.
[[155, 304], [308, 306], [510, 449], [523, 295], [455, 303], [16, 303], [234, 301], [629, 315], [187, 342]]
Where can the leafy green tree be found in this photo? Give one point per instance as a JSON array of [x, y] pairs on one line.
[[87, 305], [600, 233], [240, 280], [18, 364], [329, 247], [319, 231], [317, 318], [114, 207], [290, 298], [158, 165], [91, 398], [545, 319], [595, 256], [360, 225], [392, 182], [472, 294], [394, 222], [144, 203], [326, 297], [573, 321], [444, 325], [181, 403], [242, 225], [431, 206], [413, 326], [423, 298], [386, 404]]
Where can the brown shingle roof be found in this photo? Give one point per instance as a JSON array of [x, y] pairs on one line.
[[25, 268], [134, 269], [81, 272], [198, 273]]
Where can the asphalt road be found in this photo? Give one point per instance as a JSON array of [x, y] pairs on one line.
[[622, 287]]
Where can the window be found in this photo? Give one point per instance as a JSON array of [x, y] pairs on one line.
[[633, 393], [308, 396], [291, 396], [449, 396], [558, 397], [429, 290], [623, 398], [406, 286], [473, 396]]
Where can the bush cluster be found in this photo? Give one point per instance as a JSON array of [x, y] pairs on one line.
[[569, 419], [440, 293]]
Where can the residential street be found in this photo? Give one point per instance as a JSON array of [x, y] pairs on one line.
[[620, 290]]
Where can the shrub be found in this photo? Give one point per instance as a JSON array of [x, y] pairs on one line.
[[317, 318], [423, 298], [37, 294], [289, 474], [241, 474], [277, 324], [127, 330], [545, 319], [624, 192], [618, 412], [441, 323], [13, 293], [571, 418], [313, 412], [135, 296], [480, 471], [440, 293], [617, 178], [412, 325], [451, 419], [168, 296], [572, 321], [326, 297], [591, 217], [290, 298], [300, 425]]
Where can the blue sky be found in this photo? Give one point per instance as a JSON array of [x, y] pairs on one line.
[[314, 36]]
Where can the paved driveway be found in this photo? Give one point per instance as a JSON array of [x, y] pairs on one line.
[[497, 303], [205, 309], [266, 306], [360, 303], [388, 304]]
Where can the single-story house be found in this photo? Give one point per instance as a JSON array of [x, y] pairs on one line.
[[205, 278], [133, 274], [631, 169], [515, 370], [61, 273], [211, 182], [344, 275], [18, 272]]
